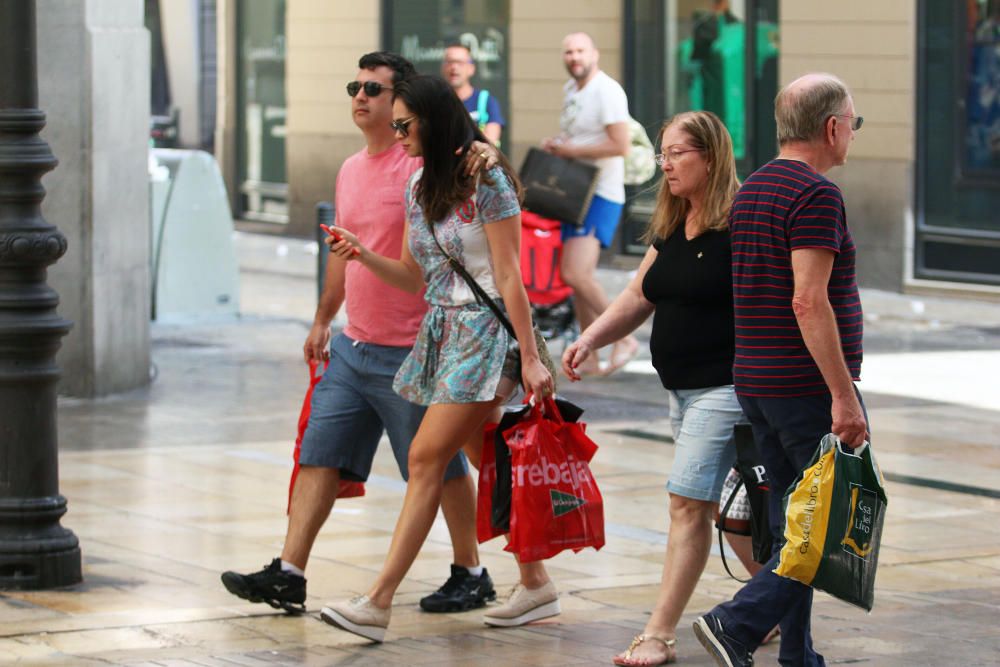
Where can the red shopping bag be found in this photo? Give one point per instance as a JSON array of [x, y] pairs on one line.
[[348, 489], [556, 504], [485, 530]]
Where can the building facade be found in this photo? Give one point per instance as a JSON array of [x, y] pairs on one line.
[[922, 186]]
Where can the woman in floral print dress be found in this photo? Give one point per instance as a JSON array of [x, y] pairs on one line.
[[461, 366]]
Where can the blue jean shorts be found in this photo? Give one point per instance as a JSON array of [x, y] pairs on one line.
[[353, 404], [703, 421], [601, 221]]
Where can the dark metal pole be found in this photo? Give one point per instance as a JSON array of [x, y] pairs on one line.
[[35, 550], [324, 216]]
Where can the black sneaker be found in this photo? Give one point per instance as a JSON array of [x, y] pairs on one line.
[[280, 589], [728, 652], [461, 592]]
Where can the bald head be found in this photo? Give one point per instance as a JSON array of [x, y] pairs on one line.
[[581, 39], [580, 56], [802, 108]]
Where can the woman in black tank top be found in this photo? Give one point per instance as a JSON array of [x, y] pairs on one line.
[[685, 282]]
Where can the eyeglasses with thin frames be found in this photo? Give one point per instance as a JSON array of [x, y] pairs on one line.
[[673, 155], [402, 125], [856, 121], [372, 88]]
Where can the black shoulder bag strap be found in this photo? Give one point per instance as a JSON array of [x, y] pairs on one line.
[[718, 526], [477, 289]]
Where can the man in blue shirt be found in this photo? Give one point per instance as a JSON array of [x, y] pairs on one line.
[[458, 69]]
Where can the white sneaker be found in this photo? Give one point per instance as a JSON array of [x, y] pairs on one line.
[[358, 616], [524, 606]]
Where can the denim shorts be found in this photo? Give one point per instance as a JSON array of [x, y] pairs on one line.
[[703, 421], [354, 404], [601, 221]]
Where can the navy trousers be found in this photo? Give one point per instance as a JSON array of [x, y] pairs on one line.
[[787, 432]]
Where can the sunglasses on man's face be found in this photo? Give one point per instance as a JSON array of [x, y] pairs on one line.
[[402, 126], [855, 121], [372, 88]]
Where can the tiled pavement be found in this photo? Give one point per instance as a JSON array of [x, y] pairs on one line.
[[160, 520], [171, 485]]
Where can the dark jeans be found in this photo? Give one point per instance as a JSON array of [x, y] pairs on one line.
[[787, 432]]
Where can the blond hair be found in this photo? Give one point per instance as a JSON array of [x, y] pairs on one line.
[[709, 135], [802, 108]]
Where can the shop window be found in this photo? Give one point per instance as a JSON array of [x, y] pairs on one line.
[[683, 55], [420, 30], [958, 148], [261, 110]]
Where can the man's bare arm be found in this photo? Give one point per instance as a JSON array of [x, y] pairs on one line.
[[493, 132], [615, 144], [317, 345], [811, 268]]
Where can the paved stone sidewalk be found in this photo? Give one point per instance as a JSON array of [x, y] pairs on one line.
[[170, 485]]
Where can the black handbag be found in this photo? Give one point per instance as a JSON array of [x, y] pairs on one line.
[[753, 477], [557, 188], [755, 480]]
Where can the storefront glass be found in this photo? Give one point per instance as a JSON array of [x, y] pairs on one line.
[[958, 163], [683, 55], [261, 110], [420, 30]]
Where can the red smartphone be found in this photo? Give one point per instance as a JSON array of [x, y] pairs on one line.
[[336, 236]]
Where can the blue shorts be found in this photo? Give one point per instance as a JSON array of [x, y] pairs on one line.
[[354, 404], [601, 221], [703, 421]]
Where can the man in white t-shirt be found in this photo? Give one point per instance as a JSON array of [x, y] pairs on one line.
[[594, 129]]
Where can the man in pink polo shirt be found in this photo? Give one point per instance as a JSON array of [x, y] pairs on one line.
[[354, 402]]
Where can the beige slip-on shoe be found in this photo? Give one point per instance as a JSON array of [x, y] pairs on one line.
[[358, 616], [524, 606]]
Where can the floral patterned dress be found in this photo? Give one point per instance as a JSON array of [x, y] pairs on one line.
[[461, 347]]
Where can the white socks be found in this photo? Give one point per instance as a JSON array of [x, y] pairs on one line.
[[288, 567], [476, 571]]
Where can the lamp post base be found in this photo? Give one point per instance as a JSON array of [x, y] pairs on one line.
[[35, 551]]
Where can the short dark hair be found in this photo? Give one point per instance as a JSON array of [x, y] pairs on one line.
[[400, 66]]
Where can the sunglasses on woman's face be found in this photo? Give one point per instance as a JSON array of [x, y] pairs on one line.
[[402, 125], [372, 88]]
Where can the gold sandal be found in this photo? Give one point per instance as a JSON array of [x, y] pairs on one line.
[[638, 639]]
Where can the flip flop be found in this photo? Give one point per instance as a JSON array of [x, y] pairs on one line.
[[626, 660]]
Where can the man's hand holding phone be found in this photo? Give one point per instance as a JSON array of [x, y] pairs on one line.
[[342, 243]]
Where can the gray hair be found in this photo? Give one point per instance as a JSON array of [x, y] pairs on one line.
[[802, 108]]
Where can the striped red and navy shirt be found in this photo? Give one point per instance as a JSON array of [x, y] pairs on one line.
[[786, 205]]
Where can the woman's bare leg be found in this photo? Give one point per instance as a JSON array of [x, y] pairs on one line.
[[688, 546], [533, 574], [444, 429]]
